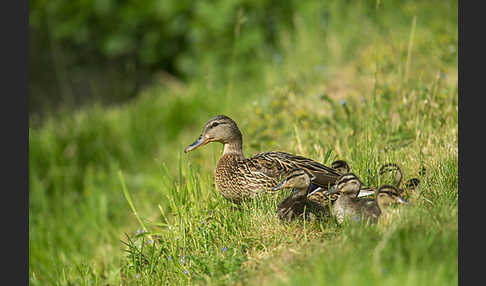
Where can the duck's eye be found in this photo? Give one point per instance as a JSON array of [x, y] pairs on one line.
[[214, 124]]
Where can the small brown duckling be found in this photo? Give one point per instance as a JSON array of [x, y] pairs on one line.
[[393, 171], [295, 204], [341, 166], [412, 183], [410, 187], [349, 206], [388, 195]]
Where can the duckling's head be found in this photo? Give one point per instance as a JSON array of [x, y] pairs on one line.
[[347, 184], [341, 165], [392, 173], [296, 178], [221, 129], [387, 195], [412, 183]]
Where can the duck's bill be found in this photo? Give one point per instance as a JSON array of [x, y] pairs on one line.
[[201, 141], [332, 190], [279, 186], [365, 193]]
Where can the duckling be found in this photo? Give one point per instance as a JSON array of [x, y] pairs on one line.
[[412, 184], [387, 196], [296, 203], [239, 178], [341, 165], [348, 205], [394, 171]]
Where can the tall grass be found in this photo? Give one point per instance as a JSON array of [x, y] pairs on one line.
[[365, 83]]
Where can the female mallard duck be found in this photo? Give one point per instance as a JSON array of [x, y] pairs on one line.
[[348, 205], [238, 178]]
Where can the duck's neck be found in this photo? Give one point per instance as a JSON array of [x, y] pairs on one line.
[[234, 149], [379, 204]]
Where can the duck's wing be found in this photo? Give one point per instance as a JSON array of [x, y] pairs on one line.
[[274, 164], [258, 174]]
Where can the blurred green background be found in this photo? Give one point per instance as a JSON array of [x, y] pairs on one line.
[[109, 50], [126, 85]]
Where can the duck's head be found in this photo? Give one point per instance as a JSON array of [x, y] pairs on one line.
[[221, 129], [392, 173], [412, 183], [347, 184], [296, 178], [387, 195]]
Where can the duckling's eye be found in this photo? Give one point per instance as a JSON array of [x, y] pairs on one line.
[[214, 124]]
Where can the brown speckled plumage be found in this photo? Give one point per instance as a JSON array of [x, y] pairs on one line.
[[240, 178], [320, 198]]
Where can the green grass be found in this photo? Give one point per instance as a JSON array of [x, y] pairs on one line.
[[90, 170]]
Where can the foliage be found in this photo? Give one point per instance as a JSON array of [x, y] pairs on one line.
[[175, 36]]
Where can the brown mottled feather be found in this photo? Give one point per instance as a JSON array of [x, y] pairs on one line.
[[239, 178]]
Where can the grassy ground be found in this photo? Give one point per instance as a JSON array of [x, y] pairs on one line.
[[371, 86]]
